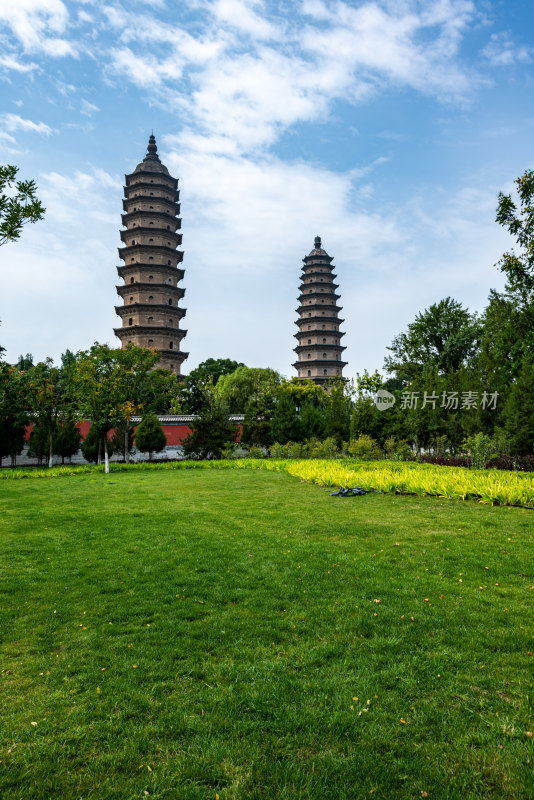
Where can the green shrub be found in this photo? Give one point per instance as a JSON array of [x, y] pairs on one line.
[[150, 436], [256, 452], [397, 449], [91, 444], [481, 449], [325, 448], [364, 448]]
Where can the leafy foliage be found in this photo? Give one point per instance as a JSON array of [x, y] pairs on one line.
[[211, 431], [206, 374], [444, 338], [18, 204], [149, 435]]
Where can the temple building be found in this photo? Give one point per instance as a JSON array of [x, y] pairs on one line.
[[151, 273], [319, 350]]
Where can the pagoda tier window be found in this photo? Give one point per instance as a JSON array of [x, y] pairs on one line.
[[324, 355], [131, 280], [324, 341], [170, 301], [309, 341], [150, 277], [309, 355], [169, 263], [130, 321], [131, 299], [150, 298], [171, 345], [150, 319], [309, 373], [325, 372]]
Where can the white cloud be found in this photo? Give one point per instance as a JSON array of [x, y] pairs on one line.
[[38, 25], [13, 122], [88, 109], [502, 51], [10, 62], [240, 15], [144, 71], [244, 78]]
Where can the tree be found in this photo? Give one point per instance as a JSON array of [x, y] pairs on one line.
[[208, 372], [25, 362], [67, 439], [39, 442], [52, 398], [120, 443], [211, 431], [234, 390], [312, 420], [257, 422], [92, 446], [444, 337], [18, 204], [139, 387], [337, 413], [285, 425], [519, 269], [14, 404], [519, 411], [150, 436], [305, 391], [99, 378]]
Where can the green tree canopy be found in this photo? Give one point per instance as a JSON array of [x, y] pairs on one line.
[[444, 337], [208, 372], [519, 268], [211, 431], [235, 390], [150, 436], [18, 204]]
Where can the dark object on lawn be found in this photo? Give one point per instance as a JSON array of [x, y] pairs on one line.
[[349, 492]]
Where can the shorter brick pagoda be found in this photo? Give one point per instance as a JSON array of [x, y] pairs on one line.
[[319, 348]]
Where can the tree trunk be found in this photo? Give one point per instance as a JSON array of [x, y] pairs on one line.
[[99, 457], [50, 448], [126, 437], [106, 455]]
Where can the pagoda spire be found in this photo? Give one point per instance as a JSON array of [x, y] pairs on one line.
[[319, 350], [151, 273]]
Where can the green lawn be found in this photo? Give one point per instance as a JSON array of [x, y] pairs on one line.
[[193, 633]]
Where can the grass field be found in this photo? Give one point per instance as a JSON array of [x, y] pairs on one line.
[[194, 634]]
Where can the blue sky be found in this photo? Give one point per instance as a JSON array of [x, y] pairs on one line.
[[388, 128]]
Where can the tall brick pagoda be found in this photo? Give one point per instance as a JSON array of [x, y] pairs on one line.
[[150, 312], [319, 350]]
